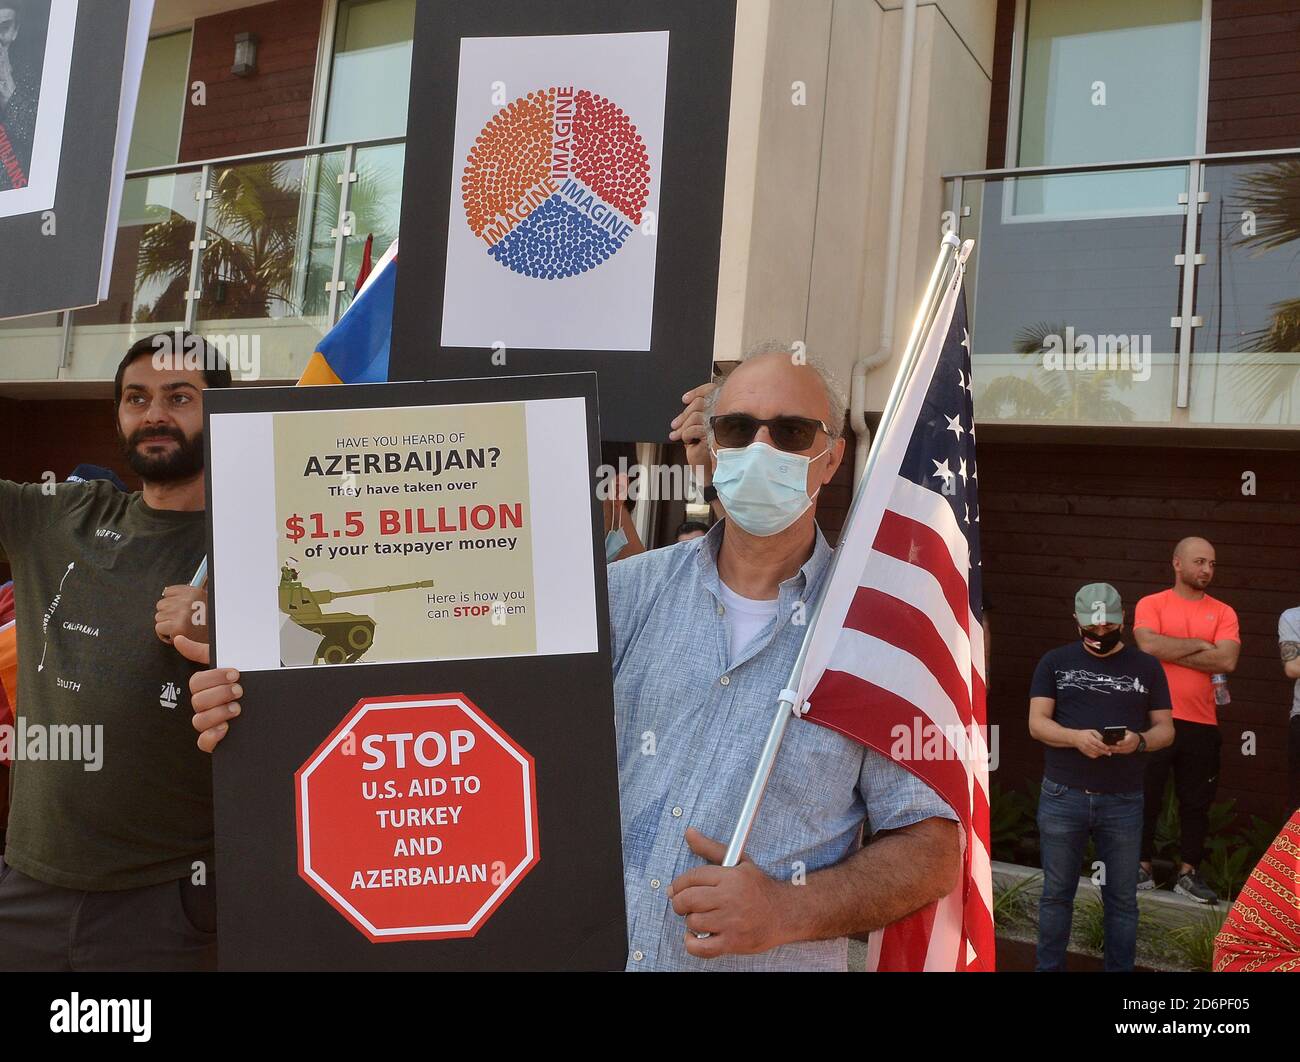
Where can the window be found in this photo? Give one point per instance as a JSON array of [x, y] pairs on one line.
[[369, 82], [156, 133], [1102, 81], [370, 71]]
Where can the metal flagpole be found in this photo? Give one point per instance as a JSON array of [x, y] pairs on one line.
[[948, 255]]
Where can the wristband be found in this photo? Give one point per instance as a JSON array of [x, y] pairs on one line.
[[1142, 743]]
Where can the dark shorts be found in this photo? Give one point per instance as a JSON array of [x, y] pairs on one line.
[[169, 927]]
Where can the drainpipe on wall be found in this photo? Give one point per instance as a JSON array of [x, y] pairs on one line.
[[893, 250]]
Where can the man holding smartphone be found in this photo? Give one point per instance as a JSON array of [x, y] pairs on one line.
[[1094, 703]]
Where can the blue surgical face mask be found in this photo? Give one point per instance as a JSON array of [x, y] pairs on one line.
[[615, 543], [763, 489], [615, 540]]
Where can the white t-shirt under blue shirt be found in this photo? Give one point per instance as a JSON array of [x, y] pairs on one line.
[[745, 617]]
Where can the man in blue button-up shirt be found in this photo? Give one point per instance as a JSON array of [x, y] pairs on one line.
[[693, 703], [704, 636]]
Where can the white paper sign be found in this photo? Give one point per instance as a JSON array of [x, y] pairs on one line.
[[555, 192]]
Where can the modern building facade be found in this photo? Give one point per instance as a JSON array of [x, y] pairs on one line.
[[1138, 203]]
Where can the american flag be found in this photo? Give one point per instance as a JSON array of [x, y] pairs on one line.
[[896, 656]]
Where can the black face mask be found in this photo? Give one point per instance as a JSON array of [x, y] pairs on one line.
[[1101, 643]]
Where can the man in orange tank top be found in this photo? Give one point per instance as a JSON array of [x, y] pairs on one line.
[[1194, 636]]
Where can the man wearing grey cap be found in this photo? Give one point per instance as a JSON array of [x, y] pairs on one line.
[[1095, 703]]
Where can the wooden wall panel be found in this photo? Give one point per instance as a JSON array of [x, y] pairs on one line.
[[272, 107]]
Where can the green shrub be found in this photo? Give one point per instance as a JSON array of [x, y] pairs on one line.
[[1259, 835], [1231, 849], [1089, 929], [1014, 906], [1227, 864], [1193, 944]]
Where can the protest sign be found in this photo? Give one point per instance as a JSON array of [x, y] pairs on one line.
[[410, 579]]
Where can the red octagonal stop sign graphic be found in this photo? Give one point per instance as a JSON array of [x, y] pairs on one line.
[[417, 817]]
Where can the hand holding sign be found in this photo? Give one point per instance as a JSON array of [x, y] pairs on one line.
[[214, 694]]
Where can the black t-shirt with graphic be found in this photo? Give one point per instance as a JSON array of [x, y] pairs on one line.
[[1094, 692], [125, 799]]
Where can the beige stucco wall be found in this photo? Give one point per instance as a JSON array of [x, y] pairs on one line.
[[773, 159], [806, 218]]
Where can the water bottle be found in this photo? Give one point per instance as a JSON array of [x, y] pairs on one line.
[[1221, 694]]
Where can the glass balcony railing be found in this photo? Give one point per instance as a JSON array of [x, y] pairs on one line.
[[1245, 365], [1071, 303], [376, 205], [267, 265], [257, 253], [1098, 297], [149, 284], [32, 346]]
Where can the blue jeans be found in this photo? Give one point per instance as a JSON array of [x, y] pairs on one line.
[[1066, 816]]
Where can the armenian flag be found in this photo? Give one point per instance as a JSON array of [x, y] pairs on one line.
[[356, 349]]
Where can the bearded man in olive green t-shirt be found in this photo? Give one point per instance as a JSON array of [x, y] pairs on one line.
[[108, 859]]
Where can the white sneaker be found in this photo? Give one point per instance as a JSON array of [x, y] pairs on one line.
[[1194, 888]]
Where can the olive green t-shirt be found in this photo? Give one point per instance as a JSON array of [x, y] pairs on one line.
[[95, 682]]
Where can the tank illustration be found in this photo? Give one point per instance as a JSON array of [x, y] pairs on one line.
[[345, 636]]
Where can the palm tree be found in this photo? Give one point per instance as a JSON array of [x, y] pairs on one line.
[[252, 229], [1272, 194], [1079, 395]]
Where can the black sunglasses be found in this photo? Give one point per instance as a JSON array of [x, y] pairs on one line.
[[791, 434]]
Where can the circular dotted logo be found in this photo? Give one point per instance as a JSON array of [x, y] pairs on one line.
[[556, 182]]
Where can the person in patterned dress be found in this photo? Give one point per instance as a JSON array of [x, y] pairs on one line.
[[1262, 931]]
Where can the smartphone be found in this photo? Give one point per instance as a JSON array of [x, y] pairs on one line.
[[1113, 735]]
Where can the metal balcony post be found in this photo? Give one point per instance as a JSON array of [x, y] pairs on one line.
[[1189, 260], [955, 204], [337, 285], [197, 247]]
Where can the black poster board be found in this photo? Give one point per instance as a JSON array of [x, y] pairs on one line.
[[567, 911], [58, 152], [641, 386]]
